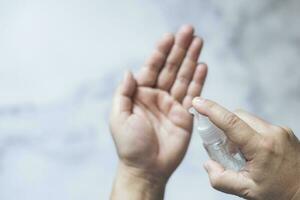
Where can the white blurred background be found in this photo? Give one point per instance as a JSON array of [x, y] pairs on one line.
[[60, 61]]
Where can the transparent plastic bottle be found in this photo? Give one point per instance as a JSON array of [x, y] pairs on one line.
[[218, 147]]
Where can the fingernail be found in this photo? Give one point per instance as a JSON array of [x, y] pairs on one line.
[[199, 101]]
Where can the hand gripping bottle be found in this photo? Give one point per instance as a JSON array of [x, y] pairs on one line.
[[218, 147]]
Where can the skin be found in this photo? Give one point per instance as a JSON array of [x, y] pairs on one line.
[[149, 122], [151, 129], [272, 152]]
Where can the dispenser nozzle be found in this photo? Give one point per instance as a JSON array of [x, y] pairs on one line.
[[202, 122], [207, 130]]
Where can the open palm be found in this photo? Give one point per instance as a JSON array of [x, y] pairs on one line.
[[150, 123]]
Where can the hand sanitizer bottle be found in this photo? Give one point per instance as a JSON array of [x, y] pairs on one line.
[[218, 147]]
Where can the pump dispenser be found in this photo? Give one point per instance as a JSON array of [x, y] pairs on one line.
[[218, 147]]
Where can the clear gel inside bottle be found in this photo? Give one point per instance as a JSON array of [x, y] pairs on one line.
[[218, 147]]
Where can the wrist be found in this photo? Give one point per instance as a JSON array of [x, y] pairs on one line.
[[132, 183]]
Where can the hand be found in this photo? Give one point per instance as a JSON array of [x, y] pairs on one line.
[[150, 124], [272, 170]]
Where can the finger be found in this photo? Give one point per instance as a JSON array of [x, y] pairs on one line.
[[182, 42], [180, 117], [228, 181], [122, 102], [234, 128], [148, 74], [254, 122], [186, 70], [196, 85]]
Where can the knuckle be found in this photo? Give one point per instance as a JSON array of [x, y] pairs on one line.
[[171, 65], [155, 61], [231, 120], [268, 145], [284, 132], [288, 130], [159, 54], [183, 79], [210, 104], [247, 193], [278, 129], [215, 182]]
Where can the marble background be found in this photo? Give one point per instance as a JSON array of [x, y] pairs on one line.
[[60, 61]]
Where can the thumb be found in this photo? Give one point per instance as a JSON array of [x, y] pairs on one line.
[[228, 181], [235, 129], [122, 102]]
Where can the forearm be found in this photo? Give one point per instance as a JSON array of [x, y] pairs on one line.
[[129, 185]]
